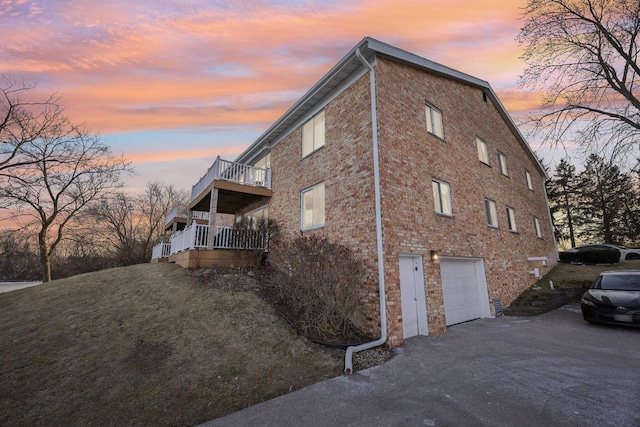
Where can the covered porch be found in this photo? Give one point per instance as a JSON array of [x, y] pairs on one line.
[[227, 188]]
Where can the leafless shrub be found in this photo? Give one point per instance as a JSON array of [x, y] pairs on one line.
[[257, 235], [322, 280]]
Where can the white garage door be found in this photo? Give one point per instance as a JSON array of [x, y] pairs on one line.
[[461, 287]]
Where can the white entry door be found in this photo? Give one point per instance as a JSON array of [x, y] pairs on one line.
[[464, 290], [414, 307]]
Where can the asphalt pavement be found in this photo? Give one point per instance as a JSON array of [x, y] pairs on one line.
[[550, 370]]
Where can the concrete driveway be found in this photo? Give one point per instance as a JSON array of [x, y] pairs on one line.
[[550, 370]]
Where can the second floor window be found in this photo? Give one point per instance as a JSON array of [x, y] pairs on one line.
[[313, 134], [536, 227], [502, 159], [511, 219], [441, 197], [434, 121], [483, 151], [492, 213], [313, 207], [527, 177]]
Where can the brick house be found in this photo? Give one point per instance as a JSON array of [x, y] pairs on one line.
[[416, 167]]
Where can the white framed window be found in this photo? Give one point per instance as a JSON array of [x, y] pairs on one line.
[[502, 159], [483, 151], [492, 213], [434, 121], [511, 219], [441, 197], [312, 210], [313, 134], [527, 177], [536, 227]]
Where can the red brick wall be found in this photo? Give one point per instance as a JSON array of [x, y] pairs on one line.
[[409, 159], [345, 165]]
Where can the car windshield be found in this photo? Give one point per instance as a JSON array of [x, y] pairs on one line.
[[619, 282]]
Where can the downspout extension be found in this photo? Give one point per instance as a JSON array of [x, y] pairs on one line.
[[348, 368]]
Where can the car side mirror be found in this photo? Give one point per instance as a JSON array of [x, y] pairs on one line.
[[586, 285]]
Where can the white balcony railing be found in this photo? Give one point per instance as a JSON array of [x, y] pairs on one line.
[[161, 250], [192, 237], [234, 172], [181, 211], [196, 236], [232, 238]]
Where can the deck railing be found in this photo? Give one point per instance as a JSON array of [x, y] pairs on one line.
[[161, 250], [196, 236], [234, 172], [181, 211], [242, 239], [192, 237]]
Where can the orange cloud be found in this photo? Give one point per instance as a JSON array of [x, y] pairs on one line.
[[124, 66], [228, 152]]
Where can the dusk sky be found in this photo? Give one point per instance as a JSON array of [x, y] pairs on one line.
[[172, 84]]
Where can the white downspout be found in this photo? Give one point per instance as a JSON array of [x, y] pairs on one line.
[[348, 368]]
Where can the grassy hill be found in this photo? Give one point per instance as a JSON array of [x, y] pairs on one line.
[[145, 345]]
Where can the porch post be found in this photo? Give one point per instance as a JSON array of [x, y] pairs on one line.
[[213, 209]]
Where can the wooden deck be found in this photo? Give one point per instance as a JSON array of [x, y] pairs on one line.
[[204, 258]]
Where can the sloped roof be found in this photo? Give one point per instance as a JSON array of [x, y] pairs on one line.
[[345, 68]]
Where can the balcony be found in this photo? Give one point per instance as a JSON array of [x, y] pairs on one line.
[[177, 219], [188, 247], [242, 178]]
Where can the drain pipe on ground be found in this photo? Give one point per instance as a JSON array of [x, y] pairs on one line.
[[348, 368]]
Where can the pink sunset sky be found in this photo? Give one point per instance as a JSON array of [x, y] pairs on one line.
[[173, 84]]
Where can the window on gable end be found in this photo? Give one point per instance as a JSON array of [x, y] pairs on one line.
[[536, 227], [511, 219], [434, 121], [313, 132], [527, 177], [441, 197], [502, 160], [483, 151], [492, 213]]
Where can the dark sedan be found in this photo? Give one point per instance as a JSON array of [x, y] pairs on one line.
[[613, 298]]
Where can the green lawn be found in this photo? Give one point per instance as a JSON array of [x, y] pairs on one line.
[[145, 345]]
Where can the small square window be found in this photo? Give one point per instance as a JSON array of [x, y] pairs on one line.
[[492, 213], [483, 151], [536, 227], [511, 219], [434, 121], [441, 197], [502, 159], [313, 134], [527, 177], [313, 204]]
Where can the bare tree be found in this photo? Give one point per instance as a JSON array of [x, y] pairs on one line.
[[23, 121], [584, 54], [58, 174], [132, 224]]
